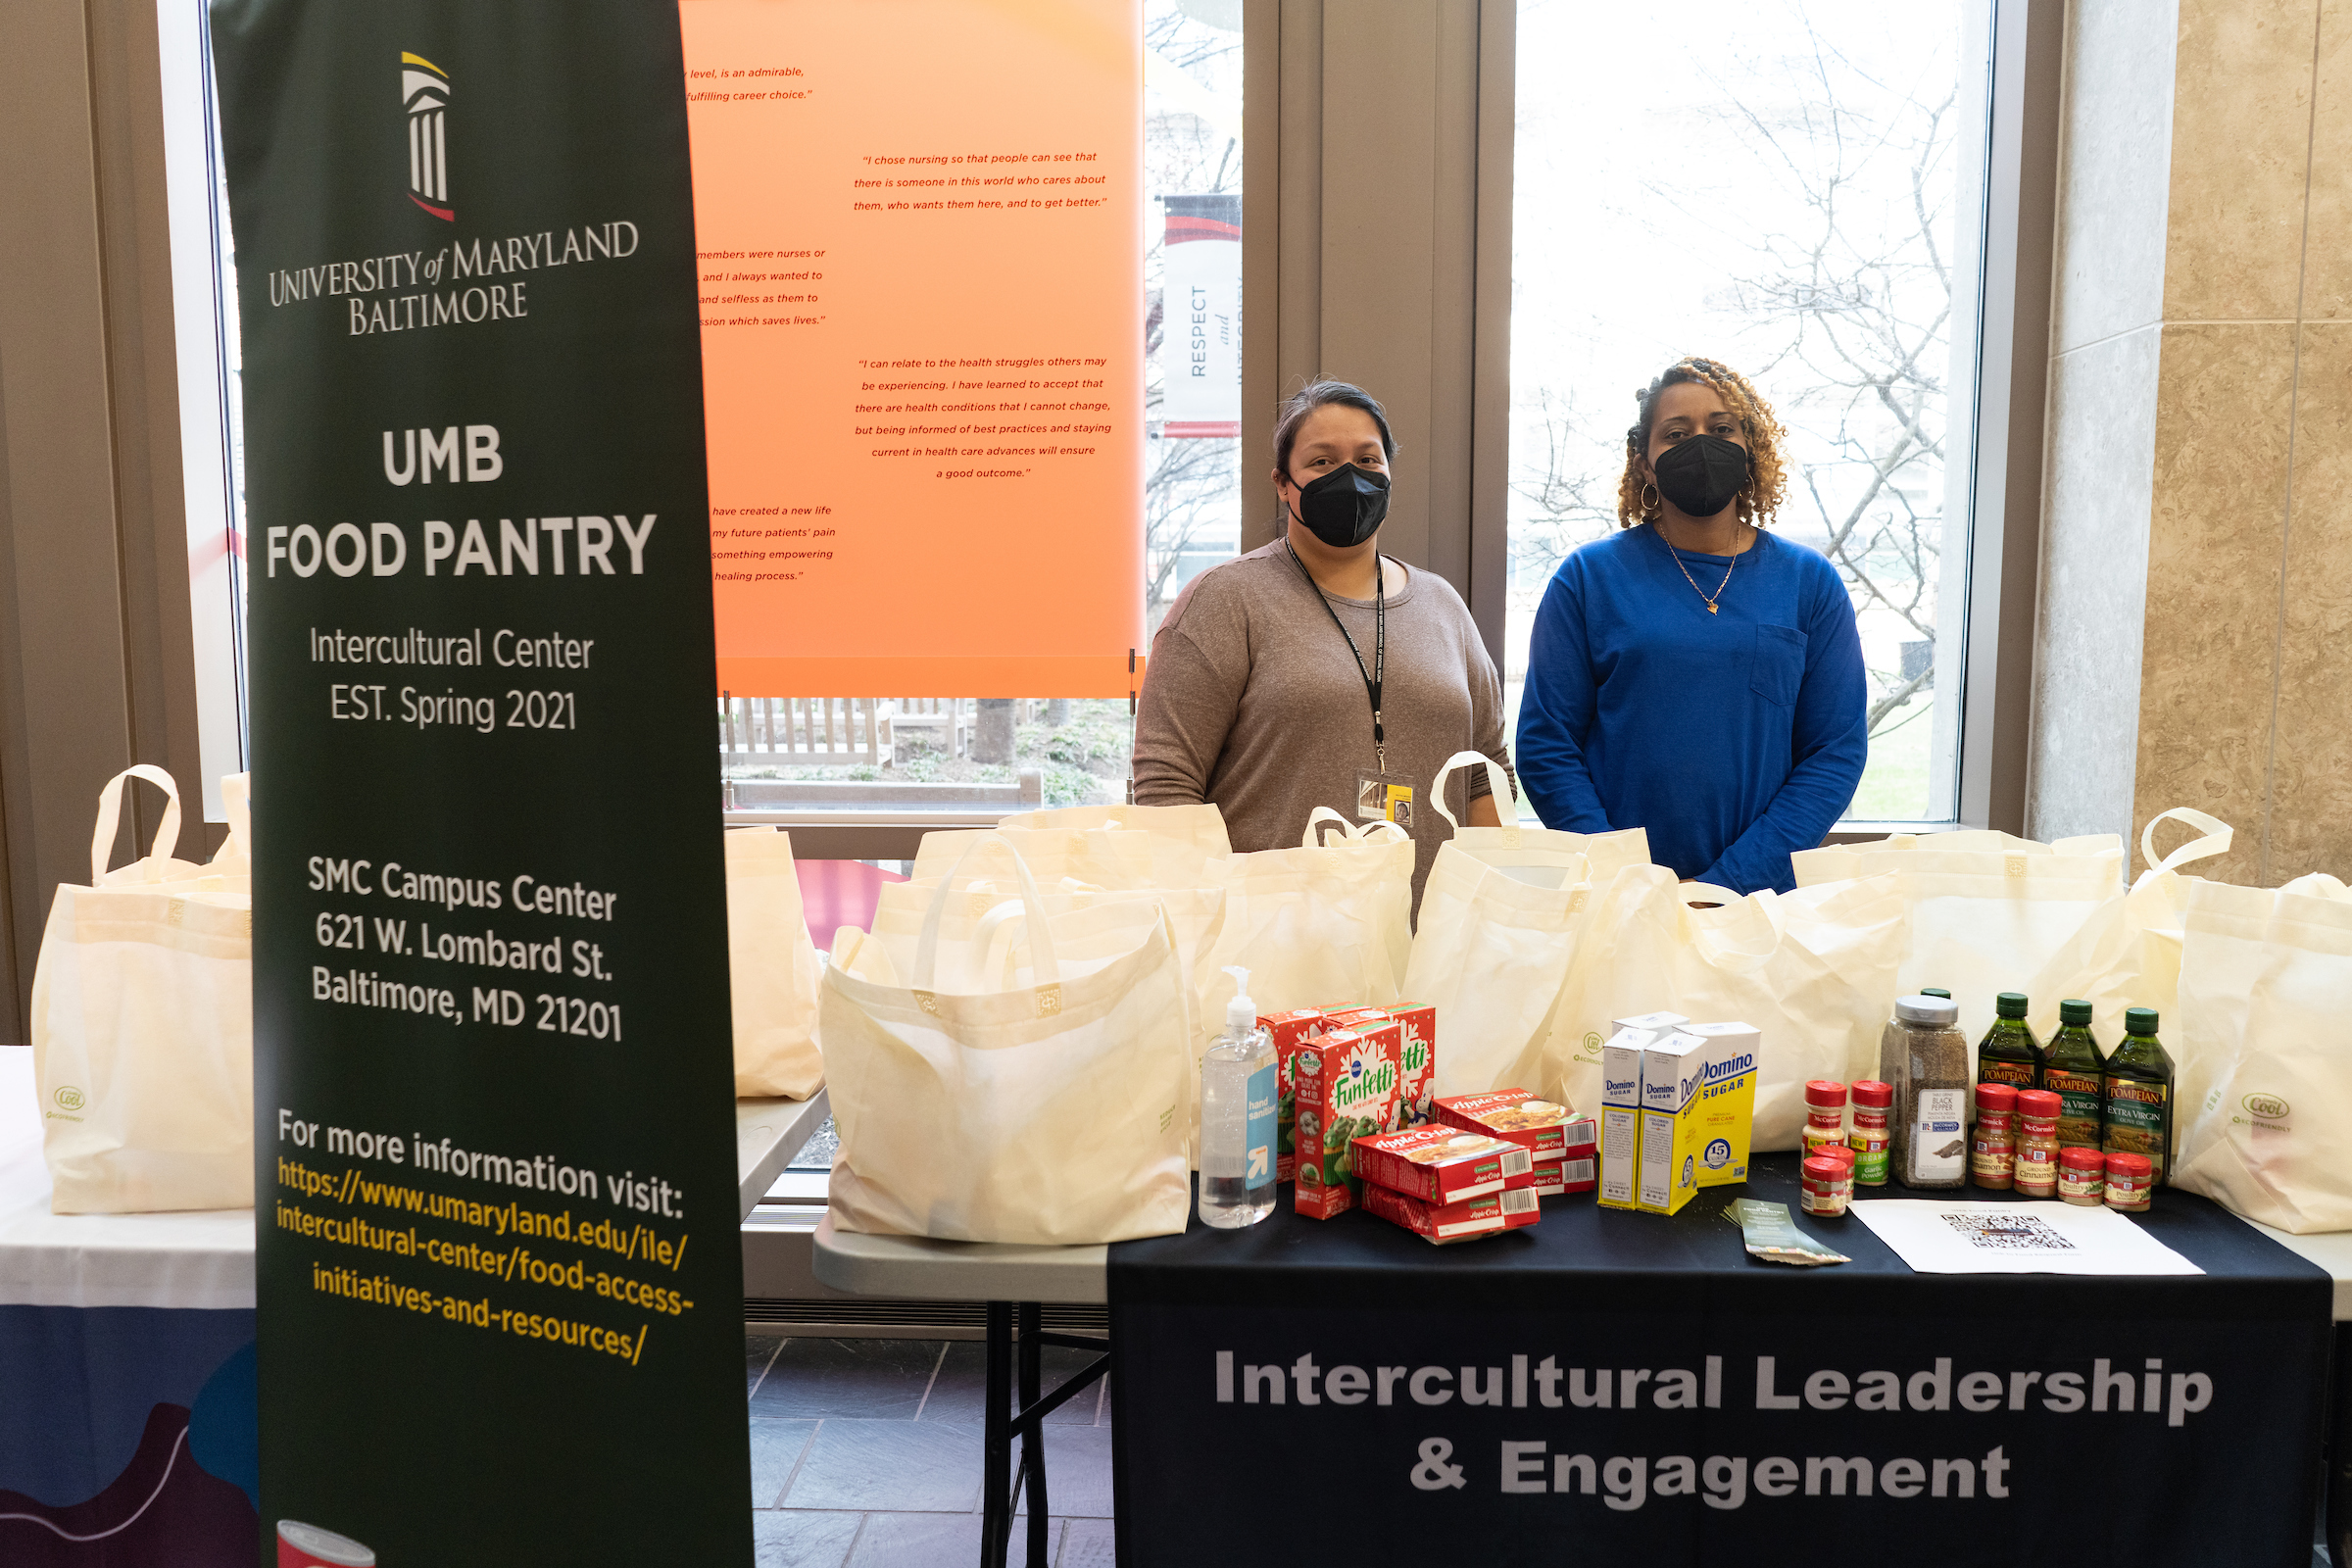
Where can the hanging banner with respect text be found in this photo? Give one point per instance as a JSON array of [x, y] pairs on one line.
[[498, 1278], [1201, 320], [921, 270]]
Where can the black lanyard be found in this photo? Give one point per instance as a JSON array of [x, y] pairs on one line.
[[1380, 642]]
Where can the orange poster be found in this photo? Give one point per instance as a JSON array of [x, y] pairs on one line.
[[922, 237]]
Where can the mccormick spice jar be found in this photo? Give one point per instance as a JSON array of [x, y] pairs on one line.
[[2036, 1171], [1931, 1089], [1869, 1137], [1827, 1188], [2129, 1179], [1825, 1113], [1992, 1153], [2082, 1176]]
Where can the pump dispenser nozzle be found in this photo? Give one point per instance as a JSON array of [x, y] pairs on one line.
[[1241, 1013]]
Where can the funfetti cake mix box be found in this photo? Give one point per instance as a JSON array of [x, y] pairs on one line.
[[1345, 1087], [1289, 1031], [1418, 1056], [1441, 1223], [1726, 1113]]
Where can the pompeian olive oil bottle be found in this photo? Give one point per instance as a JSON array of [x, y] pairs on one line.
[[2140, 1094], [2009, 1053], [2072, 1069]]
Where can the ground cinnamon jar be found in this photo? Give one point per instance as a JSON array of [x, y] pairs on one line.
[[2129, 1179], [1868, 1140], [2082, 1176], [1992, 1149], [1825, 1113], [1827, 1189], [2037, 1169]]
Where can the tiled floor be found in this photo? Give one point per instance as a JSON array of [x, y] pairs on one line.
[[865, 1454]]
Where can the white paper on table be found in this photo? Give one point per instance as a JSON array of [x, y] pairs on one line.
[[1948, 1238]]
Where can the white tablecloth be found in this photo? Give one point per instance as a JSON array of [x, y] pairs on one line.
[[201, 1259]]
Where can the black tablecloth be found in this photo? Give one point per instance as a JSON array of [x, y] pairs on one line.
[[1707, 1342]]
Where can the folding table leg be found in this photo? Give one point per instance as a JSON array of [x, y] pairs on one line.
[[995, 1465], [1033, 1431], [2338, 1447]]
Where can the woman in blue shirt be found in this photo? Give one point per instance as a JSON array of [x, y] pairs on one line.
[[1693, 675]]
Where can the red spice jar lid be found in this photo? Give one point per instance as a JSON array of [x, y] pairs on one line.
[[2041, 1104], [1838, 1153], [2129, 1164], [1996, 1099], [1822, 1168], [1871, 1092], [1825, 1092], [2089, 1160]]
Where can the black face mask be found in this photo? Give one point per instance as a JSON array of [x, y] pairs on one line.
[[1345, 507], [1701, 475]]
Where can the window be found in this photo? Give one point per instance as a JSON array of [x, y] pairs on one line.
[[1795, 189], [211, 428]]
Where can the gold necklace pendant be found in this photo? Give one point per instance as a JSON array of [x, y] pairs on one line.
[[1711, 607]]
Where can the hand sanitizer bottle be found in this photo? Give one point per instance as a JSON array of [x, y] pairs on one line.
[[1237, 1117]]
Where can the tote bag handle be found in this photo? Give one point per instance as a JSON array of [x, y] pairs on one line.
[[1041, 936], [1497, 783], [2216, 838], [1323, 817], [110, 817]]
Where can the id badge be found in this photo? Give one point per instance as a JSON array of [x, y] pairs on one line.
[[1382, 797]]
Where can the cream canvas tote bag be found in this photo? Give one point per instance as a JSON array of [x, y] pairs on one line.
[[1113, 855], [142, 1028], [1047, 1110], [1327, 923], [2158, 904], [771, 969], [1500, 914], [1201, 826], [1991, 913], [2263, 1066], [983, 939], [1814, 970]]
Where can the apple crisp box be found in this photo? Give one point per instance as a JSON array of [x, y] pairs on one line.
[[1288, 1030], [1346, 1083], [1443, 1223], [1441, 1165], [1544, 1127]]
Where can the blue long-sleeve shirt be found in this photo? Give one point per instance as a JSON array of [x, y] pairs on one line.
[[1734, 738]]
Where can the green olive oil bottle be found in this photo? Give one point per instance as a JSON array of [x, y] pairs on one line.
[[2140, 1094], [1931, 991], [2009, 1053], [2072, 1069]]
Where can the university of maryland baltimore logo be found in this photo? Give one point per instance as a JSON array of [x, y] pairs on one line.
[[424, 89]]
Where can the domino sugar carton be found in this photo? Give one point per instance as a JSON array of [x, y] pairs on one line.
[[1727, 1100], [1621, 1119], [1672, 1067]]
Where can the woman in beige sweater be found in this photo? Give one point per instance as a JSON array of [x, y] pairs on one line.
[[1316, 671]]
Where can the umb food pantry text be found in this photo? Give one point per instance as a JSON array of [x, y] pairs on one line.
[[1627, 1482]]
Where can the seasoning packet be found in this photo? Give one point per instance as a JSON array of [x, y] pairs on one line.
[[1774, 1237]]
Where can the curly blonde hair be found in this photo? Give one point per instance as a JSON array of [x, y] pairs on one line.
[[1767, 476]]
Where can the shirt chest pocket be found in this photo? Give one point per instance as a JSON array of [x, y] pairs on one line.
[[1778, 669]]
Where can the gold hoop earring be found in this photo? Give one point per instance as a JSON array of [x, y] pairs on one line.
[[1650, 503]]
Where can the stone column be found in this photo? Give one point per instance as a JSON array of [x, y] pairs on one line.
[[2194, 636]]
